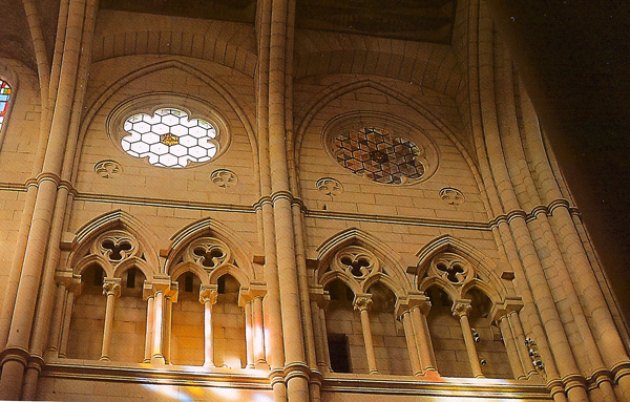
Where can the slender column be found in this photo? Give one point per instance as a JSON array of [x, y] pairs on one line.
[[168, 314], [501, 316], [519, 340], [421, 331], [149, 329], [322, 320], [412, 342], [156, 345], [208, 297], [111, 290], [259, 333], [65, 332], [249, 334], [461, 309], [362, 303], [57, 319], [319, 338]]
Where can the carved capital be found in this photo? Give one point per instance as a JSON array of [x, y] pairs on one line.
[[461, 308], [362, 302], [111, 287], [509, 305], [208, 294]]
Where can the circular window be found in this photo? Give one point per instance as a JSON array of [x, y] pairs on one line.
[[165, 135], [169, 138], [385, 152]]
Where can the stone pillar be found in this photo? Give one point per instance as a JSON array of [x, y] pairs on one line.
[[259, 333], [319, 301], [500, 314], [161, 288], [67, 317], [77, 34], [52, 350], [111, 290], [420, 307], [158, 318], [168, 316], [362, 303], [208, 297], [412, 342], [249, 333], [461, 309], [149, 328]]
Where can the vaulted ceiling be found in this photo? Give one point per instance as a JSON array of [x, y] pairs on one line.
[[418, 20]]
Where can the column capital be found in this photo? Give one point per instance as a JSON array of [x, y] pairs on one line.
[[320, 296], [509, 305], [362, 301], [254, 291], [461, 307], [70, 281], [406, 304], [111, 286], [208, 294], [159, 284]]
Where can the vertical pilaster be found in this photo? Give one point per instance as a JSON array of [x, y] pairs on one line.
[[249, 334], [150, 327], [501, 316], [258, 332], [67, 318]]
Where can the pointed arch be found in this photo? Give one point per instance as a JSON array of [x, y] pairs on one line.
[[116, 220], [481, 263], [214, 228], [392, 262], [117, 84], [181, 269]]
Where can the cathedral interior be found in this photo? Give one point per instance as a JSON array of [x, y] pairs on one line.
[[313, 200]]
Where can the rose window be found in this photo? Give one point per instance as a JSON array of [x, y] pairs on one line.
[[376, 154], [169, 138]]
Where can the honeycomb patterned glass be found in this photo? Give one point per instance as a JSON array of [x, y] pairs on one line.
[[374, 153], [168, 138], [5, 96]]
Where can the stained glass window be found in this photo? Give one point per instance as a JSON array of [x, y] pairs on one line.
[[375, 153], [168, 138], [5, 95]]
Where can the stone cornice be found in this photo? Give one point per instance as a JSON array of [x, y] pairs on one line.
[[309, 213]]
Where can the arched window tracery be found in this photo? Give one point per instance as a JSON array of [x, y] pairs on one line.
[[6, 93]]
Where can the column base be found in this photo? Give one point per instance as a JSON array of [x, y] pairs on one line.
[[158, 360]]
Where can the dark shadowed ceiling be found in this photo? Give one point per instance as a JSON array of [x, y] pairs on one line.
[[417, 20]]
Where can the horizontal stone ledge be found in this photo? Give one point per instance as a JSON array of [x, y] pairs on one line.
[[444, 387]]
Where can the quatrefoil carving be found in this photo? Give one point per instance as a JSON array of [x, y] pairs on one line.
[[116, 246], [356, 262], [451, 268], [208, 252]]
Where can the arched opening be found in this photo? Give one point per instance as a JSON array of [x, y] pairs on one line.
[[490, 346], [85, 338], [187, 327], [390, 347], [343, 330], [130, 317], [446, 335], [228, 325]]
